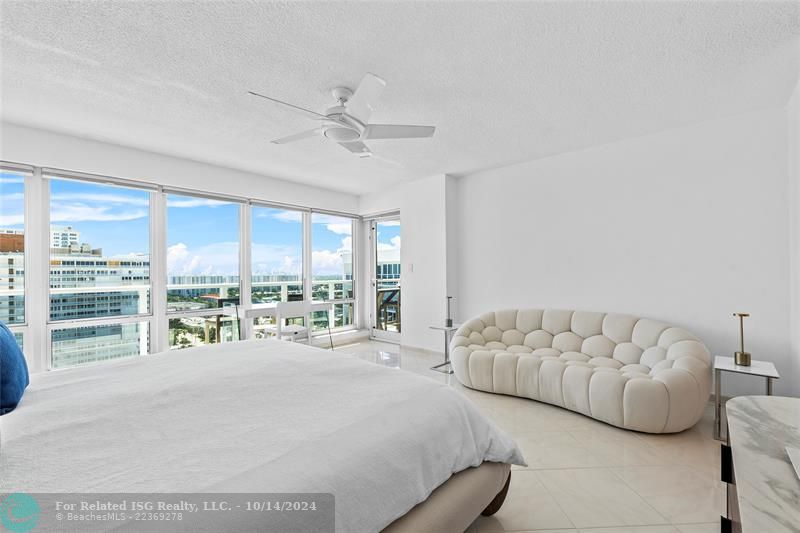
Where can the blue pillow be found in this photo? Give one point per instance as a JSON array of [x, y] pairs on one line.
[[13, 371]]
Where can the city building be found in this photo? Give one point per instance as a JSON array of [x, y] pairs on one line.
[[84, 285], [12, 240]]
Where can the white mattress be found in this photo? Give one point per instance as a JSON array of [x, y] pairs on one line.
[[254, 416]]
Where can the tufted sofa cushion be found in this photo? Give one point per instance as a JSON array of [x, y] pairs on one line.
[[630, 372]]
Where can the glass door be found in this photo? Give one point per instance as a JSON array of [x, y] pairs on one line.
[[386, 282]]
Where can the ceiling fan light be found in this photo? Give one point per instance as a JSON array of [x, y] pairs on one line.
[[342, 135]]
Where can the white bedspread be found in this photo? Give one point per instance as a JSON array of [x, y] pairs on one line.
[[255, 416]]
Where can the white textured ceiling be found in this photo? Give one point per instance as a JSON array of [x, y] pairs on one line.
[[503, 82]]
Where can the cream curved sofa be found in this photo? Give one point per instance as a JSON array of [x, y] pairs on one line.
[[630, 372]]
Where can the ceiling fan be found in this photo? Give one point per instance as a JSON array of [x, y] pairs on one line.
[[346, 123]]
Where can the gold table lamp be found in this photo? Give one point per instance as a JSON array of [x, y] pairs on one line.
[[741, 357]]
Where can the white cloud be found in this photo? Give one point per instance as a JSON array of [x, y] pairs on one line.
[[10, 180], [334, 224], [12, 220], [393, 244], [179, 260], [290, 265], [221, 258], [282, 215], [276, 259], [102, 198], [327, 262], [389, 252], [321, 218], [340, 228], [12, 209], [84, 213], [195, 202], [73, 207]]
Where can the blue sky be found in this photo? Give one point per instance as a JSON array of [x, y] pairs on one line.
[[388, 233], [202, 234], [11, 200], [112, 218]]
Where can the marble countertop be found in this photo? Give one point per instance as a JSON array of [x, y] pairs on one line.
[[760, 428]]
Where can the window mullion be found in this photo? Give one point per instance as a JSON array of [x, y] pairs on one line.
[[245, 269], [158, 272], [355, 235], [307, 257], [37, 269]]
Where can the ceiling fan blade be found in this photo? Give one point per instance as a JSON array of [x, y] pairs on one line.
[[358, 148], [363, 101], [386, 160], [397, 131], [298, 109], [297, 136]]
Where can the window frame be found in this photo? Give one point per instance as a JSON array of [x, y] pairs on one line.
[[37, 329], [303, 254], [352, 301], [248, 325], [46, 176], [243, 205], [27, 172]]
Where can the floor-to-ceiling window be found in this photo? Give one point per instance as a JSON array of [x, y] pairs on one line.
[[202, 270], [119, 268], [332, 269], [276, 259], [99, 290], [12, 251]]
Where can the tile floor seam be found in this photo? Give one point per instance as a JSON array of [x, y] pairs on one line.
[[666, 521], [646, 500], [550, 493]]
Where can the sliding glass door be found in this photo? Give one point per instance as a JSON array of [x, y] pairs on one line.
[[386, 281]]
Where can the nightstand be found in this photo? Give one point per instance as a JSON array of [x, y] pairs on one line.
[[448, 332], [763, 369]]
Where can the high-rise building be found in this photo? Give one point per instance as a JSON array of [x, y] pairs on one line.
[[12, 275], [85, 284], [12, 240], [101, 287], [63, 236]]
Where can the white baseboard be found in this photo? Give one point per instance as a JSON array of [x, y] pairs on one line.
[[340, 338]]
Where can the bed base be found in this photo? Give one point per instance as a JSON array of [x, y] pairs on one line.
[[499, 499], [457, 502]]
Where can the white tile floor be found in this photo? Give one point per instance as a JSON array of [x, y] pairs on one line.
[[584, 475]]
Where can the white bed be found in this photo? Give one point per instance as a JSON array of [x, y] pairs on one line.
[[254, 416]]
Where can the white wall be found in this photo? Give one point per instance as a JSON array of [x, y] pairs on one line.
[[686, 226], [793, 144], [423, 236], [451, 238], [22, 144]]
